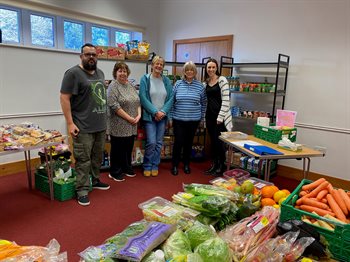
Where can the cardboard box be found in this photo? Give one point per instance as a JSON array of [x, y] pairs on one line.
[[137, 57], [116, 53], [101, 51]]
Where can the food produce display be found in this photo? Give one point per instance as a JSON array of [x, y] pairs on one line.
[[14, 137], [229, 221]]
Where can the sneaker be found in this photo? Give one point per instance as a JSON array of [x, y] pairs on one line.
[[154, 173], [130, 175], [101, 186], [118, 178], [84, 200], [147, 173]]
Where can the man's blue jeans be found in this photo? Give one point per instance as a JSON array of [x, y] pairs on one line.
[[154, 141]]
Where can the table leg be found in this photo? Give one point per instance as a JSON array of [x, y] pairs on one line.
[[267, 170], [28, 168], [229, 158], [307, 165], [260, 168], [49, 170]]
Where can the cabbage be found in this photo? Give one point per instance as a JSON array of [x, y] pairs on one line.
[[199, 233], [214, 249], [177, 246]]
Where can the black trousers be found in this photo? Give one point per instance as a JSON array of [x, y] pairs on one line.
[[120, 155], [184, 132], [217, 146]]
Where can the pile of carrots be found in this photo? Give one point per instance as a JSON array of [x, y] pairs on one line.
[[320, 197]]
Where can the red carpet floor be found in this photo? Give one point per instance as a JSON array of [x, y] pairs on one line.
[[30, 218]]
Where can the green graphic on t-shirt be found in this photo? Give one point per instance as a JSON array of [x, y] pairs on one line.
[[98, 92]]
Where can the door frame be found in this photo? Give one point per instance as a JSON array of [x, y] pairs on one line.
[[228, 38]]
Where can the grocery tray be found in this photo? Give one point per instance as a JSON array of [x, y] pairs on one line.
[[339, 239], [274, 135], [62, 192]]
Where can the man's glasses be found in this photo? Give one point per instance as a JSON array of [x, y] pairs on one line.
[[90, 54]]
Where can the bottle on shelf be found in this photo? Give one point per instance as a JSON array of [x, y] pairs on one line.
[[105, 159]]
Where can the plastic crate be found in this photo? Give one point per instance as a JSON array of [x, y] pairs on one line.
[[274, 135], [62, 192], [339, 239]]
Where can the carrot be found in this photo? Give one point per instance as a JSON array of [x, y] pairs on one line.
[[337, 197], [299, 201], [314, 203], [314, 184], [322, 194], [345, 197], [318, 189], [330, 187], [348, 193], [335, 208], [323, 200], [319, 211], [302, 193]]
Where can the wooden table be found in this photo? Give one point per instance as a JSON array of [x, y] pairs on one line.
[[48, 158], [305, 154]]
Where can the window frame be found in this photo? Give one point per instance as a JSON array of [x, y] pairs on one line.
[[24, 27], [60, 31], [115, 30], [27, 31], [103, 27], [19, 21]]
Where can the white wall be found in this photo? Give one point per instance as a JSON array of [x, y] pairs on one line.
[[316, 35]]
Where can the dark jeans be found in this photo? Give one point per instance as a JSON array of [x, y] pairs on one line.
[[184, 132], [120, 155], [217, 146], [88, 150]]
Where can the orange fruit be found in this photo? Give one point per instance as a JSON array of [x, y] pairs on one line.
[[286, 191], [267, 202], [268, 191]]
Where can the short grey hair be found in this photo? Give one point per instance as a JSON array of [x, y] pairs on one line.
[[189, 65]]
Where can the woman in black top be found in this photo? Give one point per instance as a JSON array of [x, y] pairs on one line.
[[218, 116]]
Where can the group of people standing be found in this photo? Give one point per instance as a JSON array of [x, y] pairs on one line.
[[92, 112]]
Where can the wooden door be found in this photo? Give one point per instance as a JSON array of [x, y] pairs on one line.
[[196, 49]]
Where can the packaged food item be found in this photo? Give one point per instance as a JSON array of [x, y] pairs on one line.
[[132, 47], [101, 51], [161, 210], [116, 53], [143, 48]]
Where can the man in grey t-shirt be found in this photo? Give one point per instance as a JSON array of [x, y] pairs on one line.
[[83, 102]]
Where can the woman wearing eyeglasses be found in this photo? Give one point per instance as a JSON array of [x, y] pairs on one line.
[[188, 111], [123, 115], [218, 115]]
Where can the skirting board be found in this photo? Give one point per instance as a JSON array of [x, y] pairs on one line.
[[294, 173], [17, 167], [284, 171]]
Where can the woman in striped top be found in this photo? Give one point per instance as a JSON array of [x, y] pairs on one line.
[[188, 111], [218, 115]]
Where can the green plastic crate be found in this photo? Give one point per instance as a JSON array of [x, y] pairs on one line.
[[273, 135], [62, 192], [339, 239]]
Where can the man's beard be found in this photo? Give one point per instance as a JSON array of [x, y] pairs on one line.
[[88, 66]]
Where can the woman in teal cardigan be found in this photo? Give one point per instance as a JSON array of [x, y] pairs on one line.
[[156, 97]]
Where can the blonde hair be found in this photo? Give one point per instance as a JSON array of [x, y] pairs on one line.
[[157, 58], [189, 66]]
